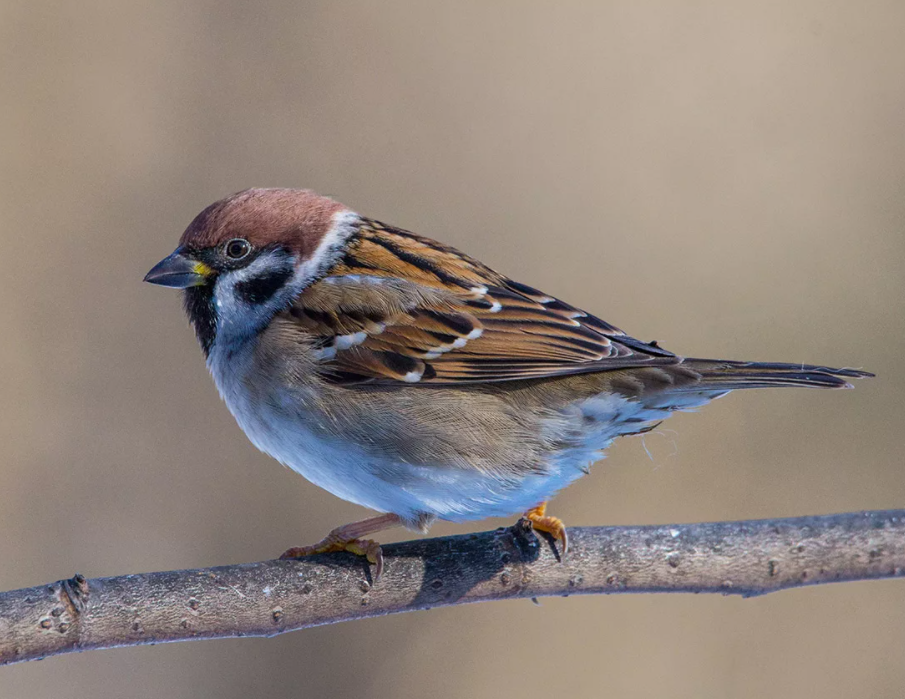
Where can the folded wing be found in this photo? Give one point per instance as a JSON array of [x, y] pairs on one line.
[[400, 307]]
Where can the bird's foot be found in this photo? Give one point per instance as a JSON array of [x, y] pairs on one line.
[[349, 538], [368, 548], [548, 524]]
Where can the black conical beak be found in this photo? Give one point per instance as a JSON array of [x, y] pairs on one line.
[[179, 272]]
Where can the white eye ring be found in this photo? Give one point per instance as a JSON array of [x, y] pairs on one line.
[[237, 248]]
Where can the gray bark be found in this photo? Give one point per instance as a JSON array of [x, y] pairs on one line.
[[273, 597]]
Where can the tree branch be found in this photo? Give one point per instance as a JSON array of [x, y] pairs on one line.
[[272, 597]]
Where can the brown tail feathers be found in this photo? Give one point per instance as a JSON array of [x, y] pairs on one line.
[[729, 375]]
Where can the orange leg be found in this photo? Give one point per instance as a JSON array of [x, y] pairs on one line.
[[349, 537], [553, 526]]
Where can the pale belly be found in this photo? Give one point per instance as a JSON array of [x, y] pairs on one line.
[[350, 472], [411, 491], [300, 438]]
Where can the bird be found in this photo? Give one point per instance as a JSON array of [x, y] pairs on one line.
[[400, 374]]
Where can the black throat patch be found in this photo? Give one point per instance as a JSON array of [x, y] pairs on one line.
[[199, 305]]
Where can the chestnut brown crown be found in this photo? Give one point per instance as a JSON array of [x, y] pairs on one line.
[[297, 219]]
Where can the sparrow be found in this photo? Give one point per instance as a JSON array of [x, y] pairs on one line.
[[402, 375]]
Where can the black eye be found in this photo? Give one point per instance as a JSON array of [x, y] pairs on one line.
[[237, 248]]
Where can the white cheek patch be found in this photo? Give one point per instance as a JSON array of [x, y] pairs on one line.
[[234, 315], [237, 320]]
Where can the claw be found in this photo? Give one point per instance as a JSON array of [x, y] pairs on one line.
[[553, 526], [374, 554], [371, 550]]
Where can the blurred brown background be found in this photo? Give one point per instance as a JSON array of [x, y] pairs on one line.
[[724, 177]]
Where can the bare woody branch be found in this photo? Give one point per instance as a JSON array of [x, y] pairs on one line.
[[273, 597]]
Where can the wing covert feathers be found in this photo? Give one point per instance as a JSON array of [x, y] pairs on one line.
[[400, 307]]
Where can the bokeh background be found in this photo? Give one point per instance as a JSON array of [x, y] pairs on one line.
[[725, 177]]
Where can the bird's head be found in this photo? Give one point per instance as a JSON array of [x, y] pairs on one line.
[[245, 257]]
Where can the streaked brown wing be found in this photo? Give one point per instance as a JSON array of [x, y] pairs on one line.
[[400, 307]]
